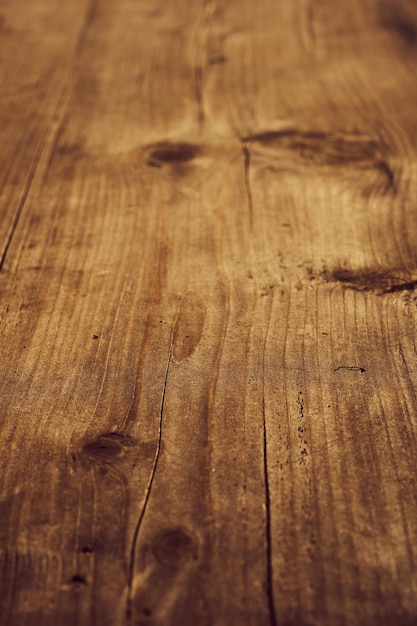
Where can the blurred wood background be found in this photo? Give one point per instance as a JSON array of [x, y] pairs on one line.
[[208, 366]]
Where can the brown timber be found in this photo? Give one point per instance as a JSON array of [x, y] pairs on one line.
[[208, 308]]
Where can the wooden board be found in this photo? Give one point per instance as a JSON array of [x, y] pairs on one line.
[[208, 366]]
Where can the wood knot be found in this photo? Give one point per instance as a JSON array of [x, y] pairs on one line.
[[109, 446], [400, 20], [170, 153], [352, 150], [174, 547], [377, 280], [76, 583]]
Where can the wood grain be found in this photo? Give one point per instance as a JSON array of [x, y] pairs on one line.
[[207, 317]]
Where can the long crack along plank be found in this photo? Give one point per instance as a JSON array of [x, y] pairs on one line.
[[208, 306]]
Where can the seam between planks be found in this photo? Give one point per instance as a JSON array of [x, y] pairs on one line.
[[56, 116]]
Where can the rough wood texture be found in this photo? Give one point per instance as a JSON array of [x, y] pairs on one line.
[[209, 260]]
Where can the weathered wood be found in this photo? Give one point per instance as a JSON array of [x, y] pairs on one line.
[[208, 371]]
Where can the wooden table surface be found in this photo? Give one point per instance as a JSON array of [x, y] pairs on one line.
[[208, 271]]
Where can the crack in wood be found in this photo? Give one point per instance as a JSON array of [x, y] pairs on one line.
[[247, 155], [199, 56], [131, 571], [199, 94], [273, 621], [268, 529]]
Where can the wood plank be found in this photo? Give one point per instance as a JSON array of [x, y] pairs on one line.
[[208, 379]]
